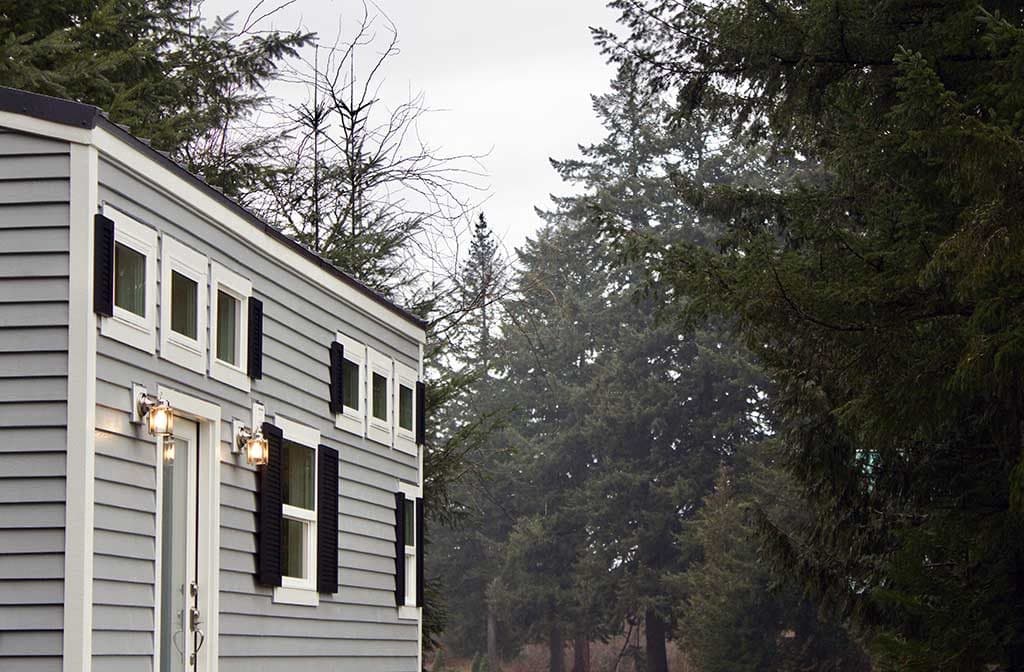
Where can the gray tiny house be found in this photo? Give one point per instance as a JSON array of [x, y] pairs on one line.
[[278, 525]]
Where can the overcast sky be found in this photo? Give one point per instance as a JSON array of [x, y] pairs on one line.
[[509, 79]]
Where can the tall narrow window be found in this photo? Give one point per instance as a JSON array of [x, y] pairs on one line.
[[129, 279], [227, 327], [184, 305], [184, 293], [380, 396], [229, 351], [298, 537], [405, 404], [353, 387], [405, 407]]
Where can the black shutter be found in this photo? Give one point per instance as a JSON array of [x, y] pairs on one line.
[[337, 357], [399, 548], [419, 551], [255, 338], [421, 412], [327, 520], [103, 266], [268, 536]]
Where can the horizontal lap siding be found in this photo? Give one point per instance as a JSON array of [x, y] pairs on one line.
[[34, 220], [358, 626]]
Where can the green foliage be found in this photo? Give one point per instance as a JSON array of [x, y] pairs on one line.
[[881, 288], [154, 66]]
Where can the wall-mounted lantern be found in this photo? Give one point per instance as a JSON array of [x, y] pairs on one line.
[[254, 445], [159, 416]]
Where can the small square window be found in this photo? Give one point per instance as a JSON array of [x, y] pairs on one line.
[[405, 407], [350, 384], [298, 470], [380, 396], [184, 305], [129, 279], [227, 327]]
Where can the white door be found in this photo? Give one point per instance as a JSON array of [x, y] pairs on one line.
[[181, 621]]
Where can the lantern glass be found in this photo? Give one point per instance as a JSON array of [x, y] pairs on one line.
[[257, 450], [161, 420]]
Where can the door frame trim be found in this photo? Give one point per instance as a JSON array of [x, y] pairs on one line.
[[208, 416]]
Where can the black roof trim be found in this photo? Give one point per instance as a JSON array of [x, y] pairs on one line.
[[70, 113]]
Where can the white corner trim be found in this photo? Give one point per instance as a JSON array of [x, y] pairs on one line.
[[208, 534], [26, 124], [81, 427], [407, 613]]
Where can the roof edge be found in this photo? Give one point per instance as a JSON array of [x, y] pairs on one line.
[[81, 115]]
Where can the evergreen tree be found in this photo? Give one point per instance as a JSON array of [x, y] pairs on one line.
[[156, 67], [881, 290]]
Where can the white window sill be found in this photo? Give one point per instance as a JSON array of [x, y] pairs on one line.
[[298, 596], [379, 433], [408, 613], [230, 374], [183, 351], [350, 421], [128, 332], [406, 445]]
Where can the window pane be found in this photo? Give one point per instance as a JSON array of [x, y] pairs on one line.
[[405, 407], [410, 521], [380, 396], [129, 279], [227, 327], [184, 305], [297, 474], [350, 384], [293, 538]]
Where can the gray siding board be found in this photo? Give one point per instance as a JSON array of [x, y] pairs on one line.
[[113, 518], [27, 166], [125, 545], [34, 565], [35, 664], [32, 465], [134, 643], [290, 664], [33, 215], [33, 440], [31, 516], [31, 617], [31, 365], [116, 663], [33, 414], [33, 339], [37, 643], [31, 591], [56, 190], [13, 143], [34, 265], [15, 490], [123, 619], [113, 568], [34, 314], [37, 289], [34, 239], [119, 592], [53, 388]]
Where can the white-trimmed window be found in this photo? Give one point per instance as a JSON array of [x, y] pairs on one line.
[[183, 293], [411, 492], [134, 319], [298, 508], [229, 326], [380, 403], [353, 387], [405, 408]]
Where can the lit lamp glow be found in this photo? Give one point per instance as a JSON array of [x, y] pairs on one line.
[[255, 445], [159, 415]]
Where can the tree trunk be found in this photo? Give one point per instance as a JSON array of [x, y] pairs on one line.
[[492, 641], [654, 631], [556, 649], [581, 653]]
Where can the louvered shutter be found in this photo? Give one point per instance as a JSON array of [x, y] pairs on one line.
[[103, 266], [419, 551], [327, 520], [268, 524], [255, 363], [399, 548], [337, 357], [421, 412]]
